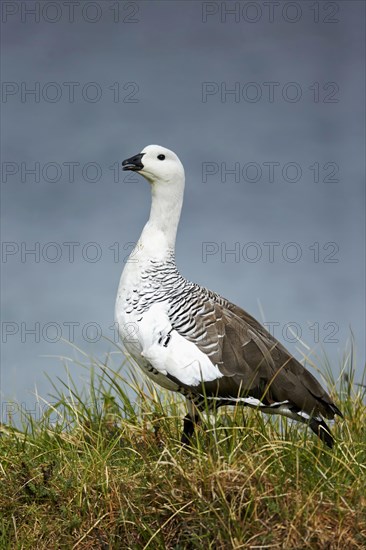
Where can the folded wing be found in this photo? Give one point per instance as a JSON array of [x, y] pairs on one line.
[[252, 362]]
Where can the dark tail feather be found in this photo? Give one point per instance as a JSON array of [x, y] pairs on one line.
[[335, 410], [331, 408], [320, 428]]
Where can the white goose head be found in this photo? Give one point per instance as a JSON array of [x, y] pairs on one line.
[[157, 164]]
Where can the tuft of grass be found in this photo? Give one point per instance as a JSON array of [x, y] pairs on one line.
[[103, 469]]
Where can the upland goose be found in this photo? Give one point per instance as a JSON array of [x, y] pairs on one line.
[[192, 340]]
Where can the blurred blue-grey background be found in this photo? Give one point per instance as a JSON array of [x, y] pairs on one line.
[[264, 104]]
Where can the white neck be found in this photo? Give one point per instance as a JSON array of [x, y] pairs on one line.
[[157, 240]]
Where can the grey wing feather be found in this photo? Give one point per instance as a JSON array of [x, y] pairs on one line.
[[252, 361]]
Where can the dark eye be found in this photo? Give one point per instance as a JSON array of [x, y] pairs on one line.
[[161, 157]]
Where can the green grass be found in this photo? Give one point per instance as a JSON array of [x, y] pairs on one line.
[[104, 470]]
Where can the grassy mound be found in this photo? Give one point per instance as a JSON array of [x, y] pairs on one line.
[[104, 469]]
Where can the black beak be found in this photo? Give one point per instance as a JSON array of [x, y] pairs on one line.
[[133, 163]]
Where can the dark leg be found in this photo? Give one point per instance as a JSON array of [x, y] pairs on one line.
[[189, 424]]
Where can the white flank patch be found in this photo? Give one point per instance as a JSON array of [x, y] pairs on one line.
[[170, 353]]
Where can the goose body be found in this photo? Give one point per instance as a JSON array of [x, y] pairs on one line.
[[192, 340]]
